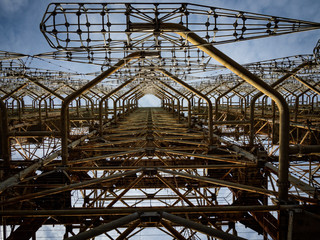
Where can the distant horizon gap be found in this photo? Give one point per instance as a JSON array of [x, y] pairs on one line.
[[149, 100]]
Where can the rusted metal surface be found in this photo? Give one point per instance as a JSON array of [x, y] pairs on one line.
[[82, 154]]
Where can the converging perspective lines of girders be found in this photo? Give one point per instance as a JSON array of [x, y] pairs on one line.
[[221, 149]]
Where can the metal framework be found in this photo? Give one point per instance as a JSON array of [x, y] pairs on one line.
[[231, 147]]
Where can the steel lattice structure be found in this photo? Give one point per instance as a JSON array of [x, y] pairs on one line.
[[230, 147]]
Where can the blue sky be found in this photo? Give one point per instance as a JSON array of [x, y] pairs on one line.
[[19, 27]]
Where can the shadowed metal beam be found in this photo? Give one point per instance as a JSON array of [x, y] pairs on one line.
[[105, 227], [35, 81], [204, 156], [67, 188], [198, 93], [257, 83], [308, 85], [14, 91], [128, 210], [182, 95], [17, 178], [5, 153], [107, 96], [199, 227], [276, 83], [173, 96], [173, 231], [221, 182], [85, 88], [128, 230], [221, 96], [252, 80]]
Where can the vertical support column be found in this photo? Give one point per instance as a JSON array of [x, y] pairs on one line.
[[115, 117], [266, 89], [5, 141], [5, 148], [221, 96], [255, 97]]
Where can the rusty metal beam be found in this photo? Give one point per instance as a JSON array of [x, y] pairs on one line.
[[208, 156], [85, 88], [177, 167], [90, 212], [276, 83], [105, 227], [141, 87], [304, 187], [17, 178], [67, 187], [173, 231], [125, 190], [201, 95], [36, 82], [200, 227], [129, 230], [173, 96], [222, 183], [107, 96], [308, 85], [257, 83], [14, 91], [221, 96], [27, 134], [182, 95], [4, 131]]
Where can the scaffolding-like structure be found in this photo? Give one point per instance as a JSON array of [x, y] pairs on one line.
[[232, 153]]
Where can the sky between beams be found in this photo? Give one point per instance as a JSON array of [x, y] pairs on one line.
[[19, 27]]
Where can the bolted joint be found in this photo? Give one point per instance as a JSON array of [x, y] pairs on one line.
[[145, 54], [212, 148], [283, 187], [150, 217], [150, 171], [150, 138], [150, 151], [262, 157], [283, 184]]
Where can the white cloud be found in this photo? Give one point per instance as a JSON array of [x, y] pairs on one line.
[[12, 6]]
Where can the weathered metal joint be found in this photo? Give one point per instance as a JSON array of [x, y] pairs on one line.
[[283, 185], [150, 150], [150, 217], [150, 171]]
